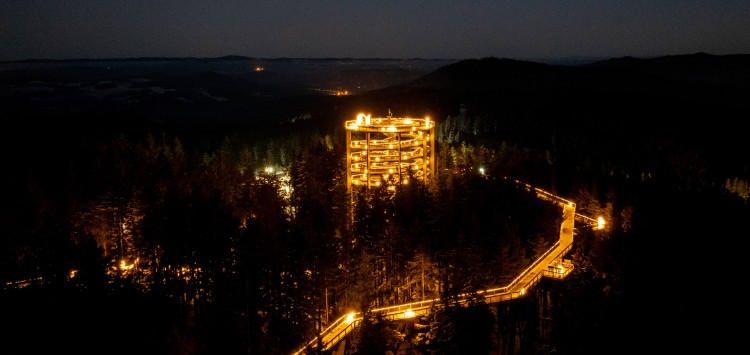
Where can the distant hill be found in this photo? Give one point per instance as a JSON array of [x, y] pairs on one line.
[[497, 84], [134, 59], [509, 74], [627, 114], [200, 95]]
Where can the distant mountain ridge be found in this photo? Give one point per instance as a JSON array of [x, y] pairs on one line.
[[201, 59], [637, 114], [493, 73], [133, 59]]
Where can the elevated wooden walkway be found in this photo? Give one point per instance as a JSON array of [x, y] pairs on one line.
[[551, 265]]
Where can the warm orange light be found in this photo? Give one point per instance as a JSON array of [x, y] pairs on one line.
[[125, 266], [389, 145], [600, 223], [361, 119], [555, 269]]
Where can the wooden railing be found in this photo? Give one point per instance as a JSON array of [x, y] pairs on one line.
[[558, 269], [495, 295]]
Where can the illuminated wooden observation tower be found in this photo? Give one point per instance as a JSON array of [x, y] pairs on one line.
[[388, 151]]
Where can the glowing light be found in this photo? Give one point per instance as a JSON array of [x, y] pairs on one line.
[[391, 144], [556, 269], [600, 223], [361, 118], [481, 171], [125, 266]]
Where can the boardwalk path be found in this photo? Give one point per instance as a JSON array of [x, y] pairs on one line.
[[551, 264]]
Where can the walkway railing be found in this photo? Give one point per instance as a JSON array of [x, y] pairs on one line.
[[556, 268], [586, 219]]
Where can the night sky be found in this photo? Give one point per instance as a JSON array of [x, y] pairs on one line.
[[528, 29]]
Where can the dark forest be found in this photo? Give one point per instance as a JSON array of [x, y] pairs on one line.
[[212, 217]]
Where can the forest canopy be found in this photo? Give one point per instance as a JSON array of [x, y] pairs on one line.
[[225, 225]]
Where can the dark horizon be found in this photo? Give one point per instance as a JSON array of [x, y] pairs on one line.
[[230, 57]]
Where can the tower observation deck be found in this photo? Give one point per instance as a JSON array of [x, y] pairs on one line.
[[388, 151]]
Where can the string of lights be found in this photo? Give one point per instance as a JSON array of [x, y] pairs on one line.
[[386, 151]]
